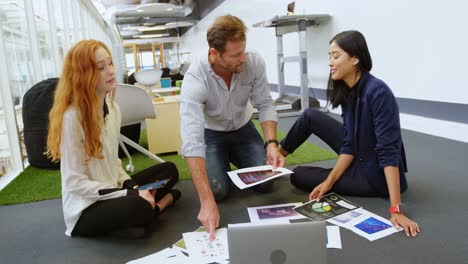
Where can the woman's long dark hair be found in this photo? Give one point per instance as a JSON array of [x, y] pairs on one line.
[[353, 43]]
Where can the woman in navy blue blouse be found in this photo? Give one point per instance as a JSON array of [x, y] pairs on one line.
[[371, 158]]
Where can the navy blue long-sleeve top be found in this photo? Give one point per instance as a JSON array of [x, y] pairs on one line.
[[372, 134]]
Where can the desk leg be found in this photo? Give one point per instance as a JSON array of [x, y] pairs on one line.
[[280, 56], [303, 64]]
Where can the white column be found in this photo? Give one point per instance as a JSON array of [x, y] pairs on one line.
[[76, 20], [33, 43], [53, 38], [117, 50], [66, 26], [91, 27], [84, 28]]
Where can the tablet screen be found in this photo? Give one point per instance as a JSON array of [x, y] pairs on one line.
[[154, 185]]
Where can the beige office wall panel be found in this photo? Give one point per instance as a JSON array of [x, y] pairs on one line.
[[164, 131]]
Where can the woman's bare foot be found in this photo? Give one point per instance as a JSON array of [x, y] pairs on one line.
[[167, 200]]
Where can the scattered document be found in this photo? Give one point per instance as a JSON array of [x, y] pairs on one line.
[[333, 237], [343, 220], [365, 224], [329, 206], [167, 256], [195, 247], [201, 250], [248, 177], [181, 243], [338, 211], [270, 214]]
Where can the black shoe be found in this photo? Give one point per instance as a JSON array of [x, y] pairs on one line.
[[176, 194]]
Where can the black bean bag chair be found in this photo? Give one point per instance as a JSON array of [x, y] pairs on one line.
[[37, 103]]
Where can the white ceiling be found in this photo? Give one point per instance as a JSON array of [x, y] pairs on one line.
[[150, 20]]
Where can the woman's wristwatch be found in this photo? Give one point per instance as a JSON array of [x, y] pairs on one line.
[[397, 208]]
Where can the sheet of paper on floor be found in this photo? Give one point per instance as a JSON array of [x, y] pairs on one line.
[[201, 250], [333, 237], [248, 177], [167, 256], [273, 214], [365, 224], [181, 243], [329, 206]]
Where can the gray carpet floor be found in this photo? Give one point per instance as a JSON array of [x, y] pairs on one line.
[[436, 199]]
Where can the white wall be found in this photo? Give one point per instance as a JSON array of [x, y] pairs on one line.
[[261, 40], [418, 47]]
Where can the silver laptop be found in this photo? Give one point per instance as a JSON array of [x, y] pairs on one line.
[[278, 244]]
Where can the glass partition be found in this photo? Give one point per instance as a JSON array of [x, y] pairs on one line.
[[17, 49], [5, 157], [67, 23], [43, 37]]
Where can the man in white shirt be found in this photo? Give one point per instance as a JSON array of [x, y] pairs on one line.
[[215, 119]]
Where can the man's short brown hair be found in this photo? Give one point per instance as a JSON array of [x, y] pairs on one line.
[[224, 29]]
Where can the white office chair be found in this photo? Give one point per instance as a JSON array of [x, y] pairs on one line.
[[148, 77], [135, 105]]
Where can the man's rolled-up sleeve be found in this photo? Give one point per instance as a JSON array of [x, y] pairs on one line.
[[192, 120]]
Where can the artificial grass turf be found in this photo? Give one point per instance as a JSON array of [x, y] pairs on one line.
[[35, 184]]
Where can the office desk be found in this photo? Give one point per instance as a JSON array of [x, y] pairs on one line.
[[288, 24], [164, 131]]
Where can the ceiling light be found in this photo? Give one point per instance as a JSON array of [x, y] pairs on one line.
[[129, 33], [154, 35], [179, 24], [152, 28], [155, 7], [134, 28]]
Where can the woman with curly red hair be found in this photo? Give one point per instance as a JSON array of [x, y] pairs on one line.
[[98, 196]]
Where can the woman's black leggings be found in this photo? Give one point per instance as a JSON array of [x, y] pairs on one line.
[[127, 211], [330, 131]]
